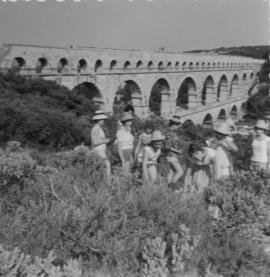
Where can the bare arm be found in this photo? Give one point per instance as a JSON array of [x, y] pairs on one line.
[[137, 150], [100, 141], [231, 145], [144, 167]]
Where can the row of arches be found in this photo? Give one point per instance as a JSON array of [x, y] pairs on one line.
[[208, 120], [63, 64], [161, 97]]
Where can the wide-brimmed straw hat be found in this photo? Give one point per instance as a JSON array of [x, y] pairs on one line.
[[176, 119], [157, 136], [99, 115], [126, 117], [261, 124], [223, 129]]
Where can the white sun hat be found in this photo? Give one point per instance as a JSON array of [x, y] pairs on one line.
[[223, 129], [157, 135], [261, 124], [99, 115]]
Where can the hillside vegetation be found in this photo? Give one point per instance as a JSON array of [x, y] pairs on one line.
[[257, 52]]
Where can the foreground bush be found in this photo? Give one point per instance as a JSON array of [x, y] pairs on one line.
[[128, 228]]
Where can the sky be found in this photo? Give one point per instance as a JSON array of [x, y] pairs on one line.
[[176, 25]]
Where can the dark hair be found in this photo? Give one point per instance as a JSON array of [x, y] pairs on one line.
[[129, 108], [194, 147]]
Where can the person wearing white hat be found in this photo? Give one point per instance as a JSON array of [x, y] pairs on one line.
[[150, 156], [260, 147], [172, 151], [223, 165], [125, 142], [99, 140]]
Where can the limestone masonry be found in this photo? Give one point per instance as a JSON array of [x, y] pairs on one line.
[[201, 88]]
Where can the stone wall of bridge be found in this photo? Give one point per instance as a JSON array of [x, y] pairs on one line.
[[191, 84]]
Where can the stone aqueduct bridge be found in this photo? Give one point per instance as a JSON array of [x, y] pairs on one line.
[[201, 88]]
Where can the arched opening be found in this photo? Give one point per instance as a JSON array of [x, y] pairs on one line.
[[18, 63], [160, 66], [203, 65], [90, 91], [208, 89], [208, 121], [185, 93], [98, 66], [209, 65], [251, 77], [177, 64], [62, 65], [190, 66], [244, 78], [197, 65], [184, 65], [113, 64], [128, 93], [82, 65], [139, 64], [233, 113], [160, 92], [169, 65], [234, 89], [214, 65], [218, 64], [222, 115], [41, 64], [223, 65], [187, 124], [150, 65], [127, 65], [222, 88]]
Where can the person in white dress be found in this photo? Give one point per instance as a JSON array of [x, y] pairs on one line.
[[99, 141], [150, 157], [260, 159], [223, 165], [125, 143]]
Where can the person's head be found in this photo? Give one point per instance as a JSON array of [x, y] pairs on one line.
[[196, 151], [99, 117], [126, 120], [175, 122], [260, 128], [222, 131], [129, 109], [157, 139]]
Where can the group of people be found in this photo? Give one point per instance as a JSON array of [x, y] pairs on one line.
[[208, 159]]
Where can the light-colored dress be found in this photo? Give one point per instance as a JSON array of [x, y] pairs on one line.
[[126, 139], [97, 134], [201, 172], [152, 155], [259, 159], [145, 140], [223, 163]]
